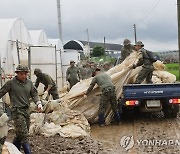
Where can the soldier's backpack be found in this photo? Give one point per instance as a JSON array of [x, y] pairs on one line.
[[153, 58]]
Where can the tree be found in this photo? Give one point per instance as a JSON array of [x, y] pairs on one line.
[[98, 51]]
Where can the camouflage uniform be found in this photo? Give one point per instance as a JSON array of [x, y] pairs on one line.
[[126, 51], [147, 68], [72, 75], [47, 81], [108, 95], [20, 93], [83, 71]]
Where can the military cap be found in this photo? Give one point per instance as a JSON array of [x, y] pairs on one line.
[[22, 68], [139, 43], [37, 71], [126, 42], [72, 61]]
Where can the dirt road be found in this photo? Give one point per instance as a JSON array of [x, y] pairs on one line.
[[154, 133], [136, 135]]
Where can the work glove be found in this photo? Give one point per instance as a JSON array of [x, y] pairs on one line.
[[3, 119], [85, 96], [39, 106], [45, 95]]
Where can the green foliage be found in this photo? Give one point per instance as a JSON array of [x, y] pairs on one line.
[[173, 68], [98, 51], [107, 59]]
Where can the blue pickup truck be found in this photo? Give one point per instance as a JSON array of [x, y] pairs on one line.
[[152, 98]]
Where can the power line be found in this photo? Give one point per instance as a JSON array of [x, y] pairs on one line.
[[152, 9]]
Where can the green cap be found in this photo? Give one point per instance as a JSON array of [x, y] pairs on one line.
[[22, 68], [126, 42], [139, 43], [37, 71]]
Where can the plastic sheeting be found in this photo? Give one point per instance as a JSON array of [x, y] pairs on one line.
[[121, 74], [58, 119], [12, 30], [38, 37], [9, 148]]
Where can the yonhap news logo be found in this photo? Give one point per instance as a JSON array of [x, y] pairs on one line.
[[127, 142]]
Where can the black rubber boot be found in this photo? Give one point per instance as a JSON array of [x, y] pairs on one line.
[[101, 119], [117, 116], [17, 143], [26, 148]]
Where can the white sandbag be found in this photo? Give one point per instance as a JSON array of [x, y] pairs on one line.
[[59, 120], [10, 148]]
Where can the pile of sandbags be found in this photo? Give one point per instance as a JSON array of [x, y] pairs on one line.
[[58, 119]]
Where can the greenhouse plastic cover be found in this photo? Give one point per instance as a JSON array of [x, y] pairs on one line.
[[39, 37], [12, 30]]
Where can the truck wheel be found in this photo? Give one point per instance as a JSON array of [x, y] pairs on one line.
[[171, 111]]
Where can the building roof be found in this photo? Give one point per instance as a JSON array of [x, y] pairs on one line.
[[108, 46], [79, 45]]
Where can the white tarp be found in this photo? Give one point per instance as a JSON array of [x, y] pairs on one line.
[[58, 119], [10, 148], [121, 75], [13, 30], [38, 37]]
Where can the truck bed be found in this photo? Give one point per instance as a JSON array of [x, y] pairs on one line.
[[151, 91]]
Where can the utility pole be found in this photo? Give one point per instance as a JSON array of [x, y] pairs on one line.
[[88, 40], [60, 37], [104, 43], [135, 37], [59, 20], [178, 12]]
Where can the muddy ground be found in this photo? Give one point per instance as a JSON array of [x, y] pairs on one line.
[[153, 132], [59, 145], [110, 139]]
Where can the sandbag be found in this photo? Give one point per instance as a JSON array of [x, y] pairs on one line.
[[59, 119], [9, 148]]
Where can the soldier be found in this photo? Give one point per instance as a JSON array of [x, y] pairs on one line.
[[126, 50], [72, 74], [89, 70], [50, 86], [147, 65], [20, 90], [83, 71], [104, 81], [3, 126], [106, 66]]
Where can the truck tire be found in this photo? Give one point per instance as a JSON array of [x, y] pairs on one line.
[[171, 111]]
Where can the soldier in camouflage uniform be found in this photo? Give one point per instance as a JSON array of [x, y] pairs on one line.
[[104, 81], [72, 74], [50, 86], [3, 126], [147, 65], [127, 49], [20, 90], [83, 71]]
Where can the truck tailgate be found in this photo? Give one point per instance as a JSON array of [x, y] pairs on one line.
[[151, 91]]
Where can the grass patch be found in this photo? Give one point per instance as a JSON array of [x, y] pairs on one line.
[[173, 68], [103, 59]]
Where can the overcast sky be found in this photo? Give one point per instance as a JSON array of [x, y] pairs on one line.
[[156, 20]]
